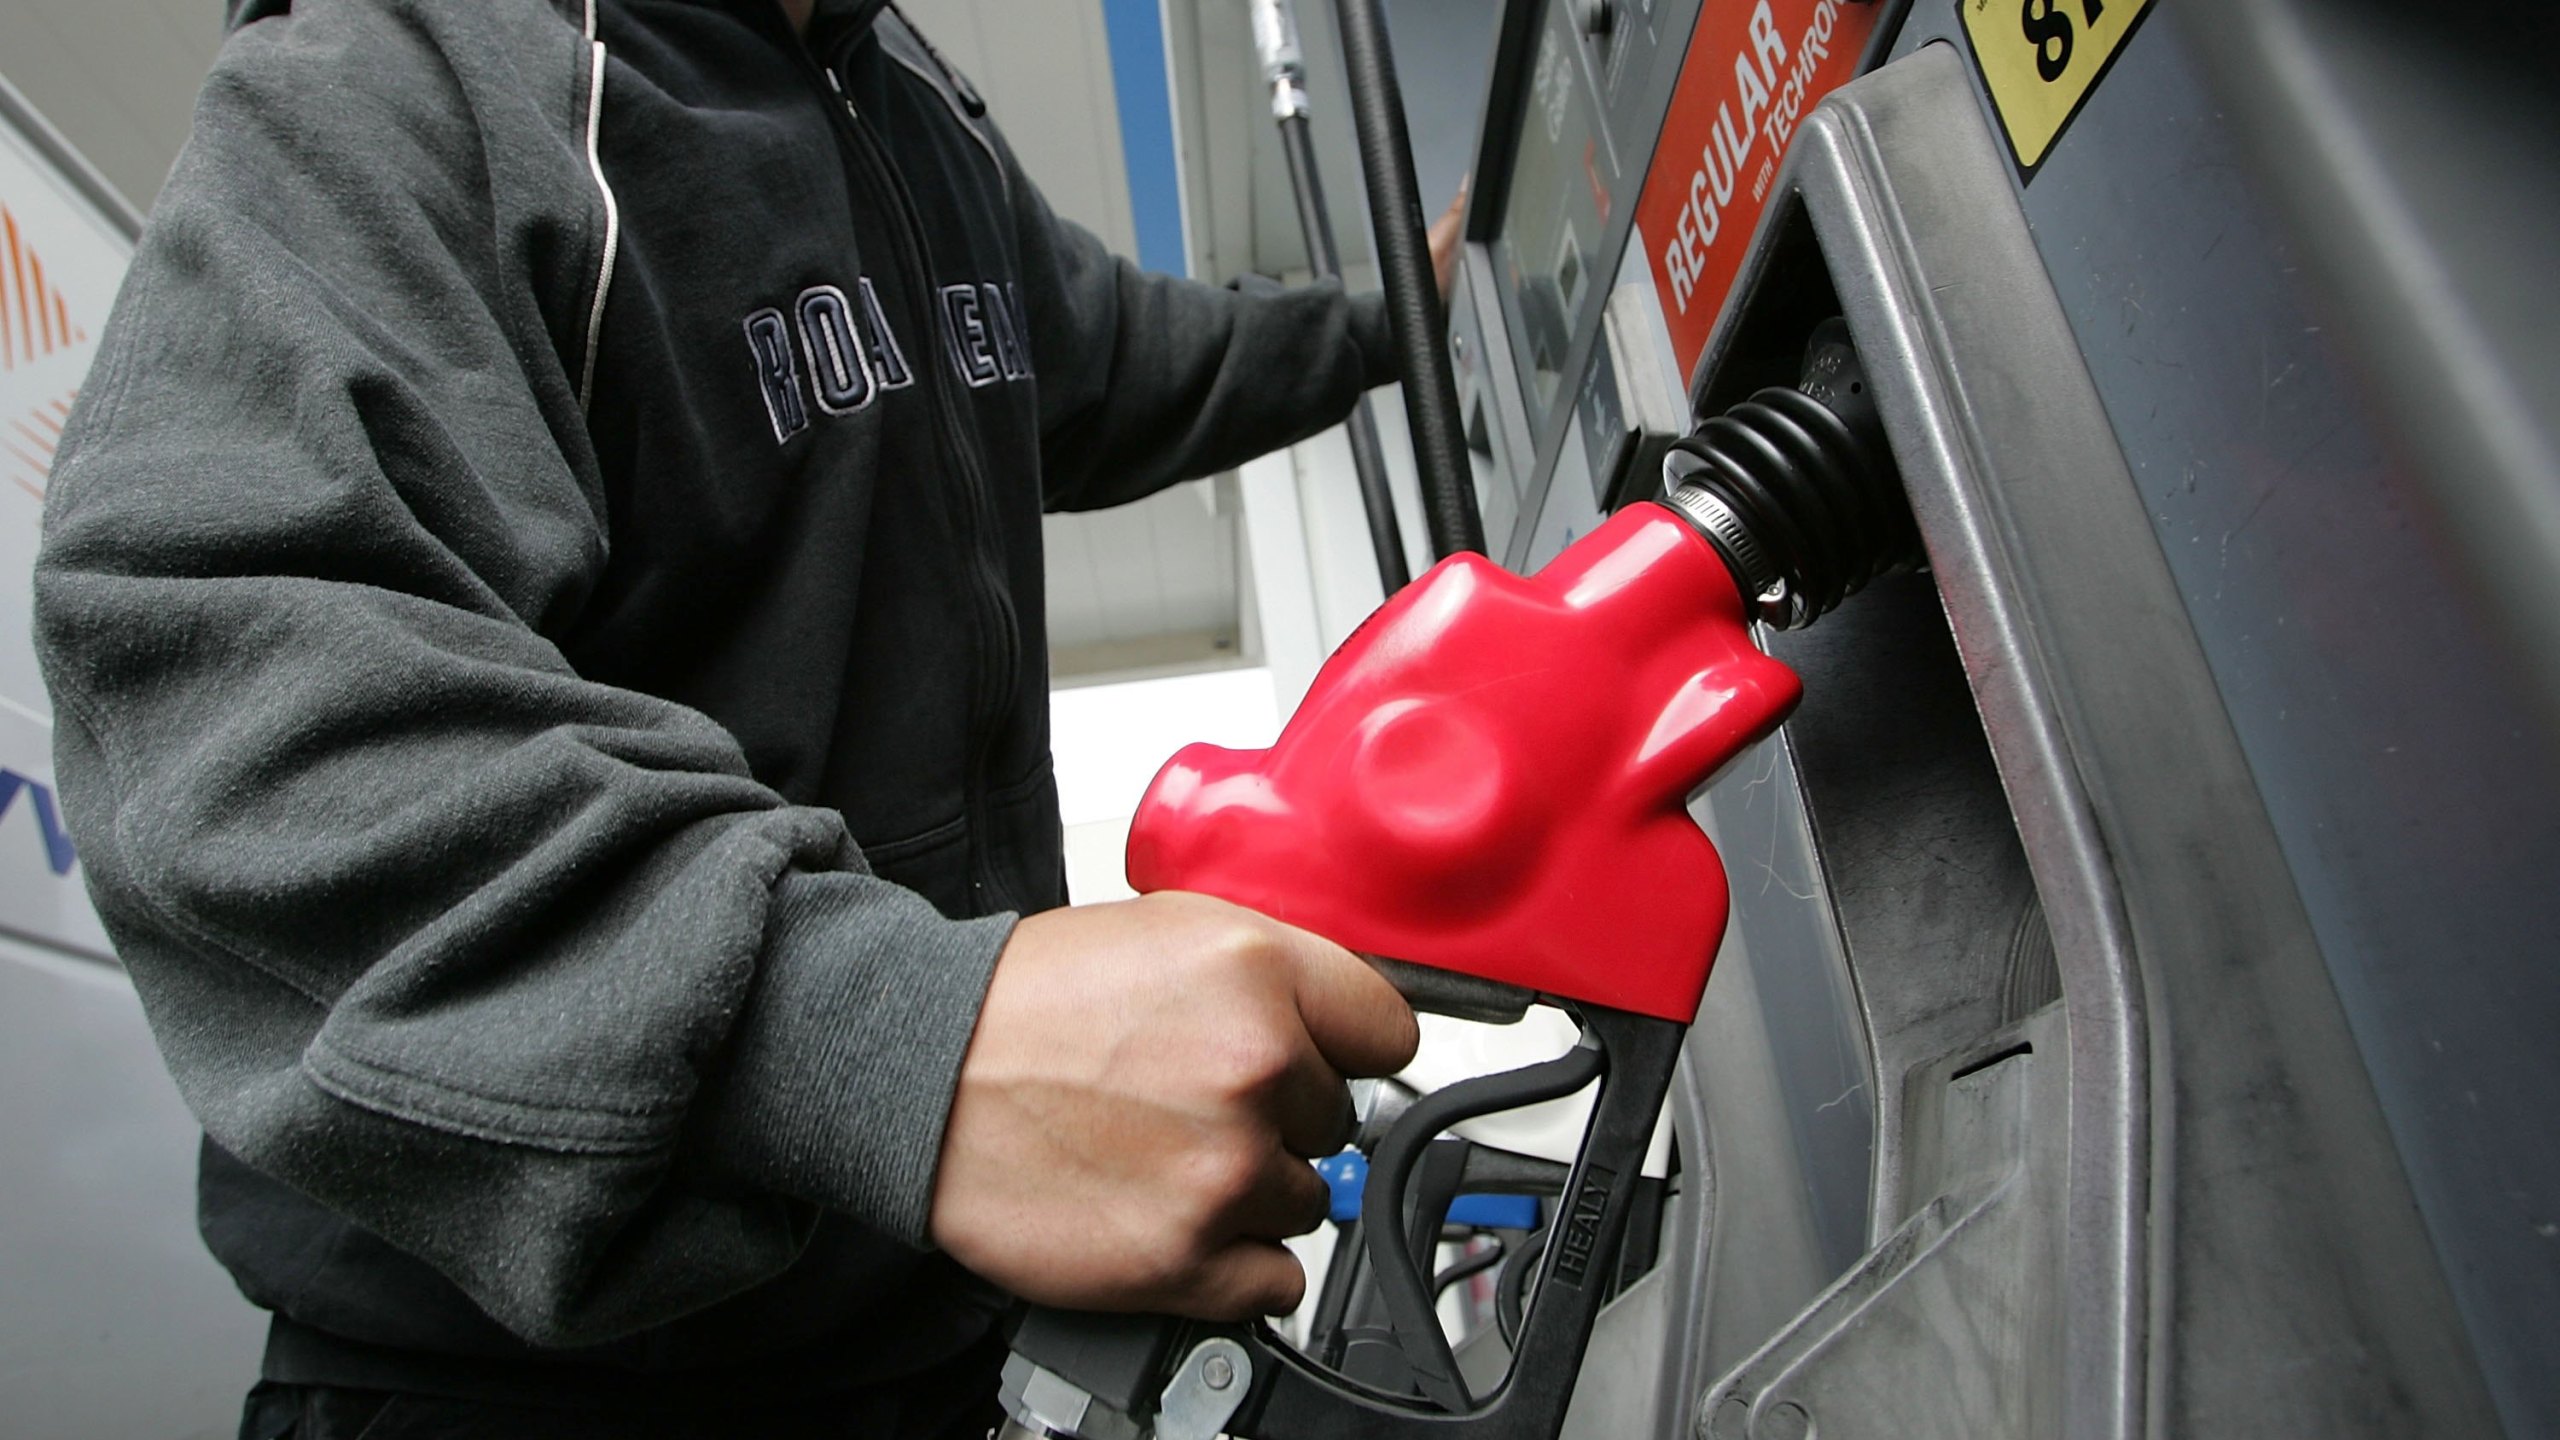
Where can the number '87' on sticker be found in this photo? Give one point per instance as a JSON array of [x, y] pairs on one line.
[[2041, 58]]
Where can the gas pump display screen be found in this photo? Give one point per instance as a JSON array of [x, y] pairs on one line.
[[1552, 219]]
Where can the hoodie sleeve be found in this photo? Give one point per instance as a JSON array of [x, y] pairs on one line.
[[1148, 379], [524, 973]]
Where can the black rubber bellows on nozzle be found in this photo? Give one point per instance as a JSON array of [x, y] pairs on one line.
[[1796, 488]]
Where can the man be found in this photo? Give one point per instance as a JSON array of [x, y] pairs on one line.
[[543, 597]]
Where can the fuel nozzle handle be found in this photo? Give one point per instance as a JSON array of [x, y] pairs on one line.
[[1284, 65], [1795, 488]]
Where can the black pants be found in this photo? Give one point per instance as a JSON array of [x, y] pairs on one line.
[[954, 1401]]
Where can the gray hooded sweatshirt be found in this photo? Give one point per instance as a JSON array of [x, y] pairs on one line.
[[543, 597]]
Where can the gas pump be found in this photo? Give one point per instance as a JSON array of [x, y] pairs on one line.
[[2061, 1070]]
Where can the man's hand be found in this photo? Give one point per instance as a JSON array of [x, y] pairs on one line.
[[1446, 238], [1147, 1082]]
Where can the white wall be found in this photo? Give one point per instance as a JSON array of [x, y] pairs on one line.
[[1314, 575], [1109, 740], [114, 1321]]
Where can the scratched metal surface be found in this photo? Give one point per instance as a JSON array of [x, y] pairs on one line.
[[2418, 805]]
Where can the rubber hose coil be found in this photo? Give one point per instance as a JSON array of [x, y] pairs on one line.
[[1796, 489]]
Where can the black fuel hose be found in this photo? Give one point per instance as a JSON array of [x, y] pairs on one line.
[[1368, 457], [1413, 290], [1470, 1265]]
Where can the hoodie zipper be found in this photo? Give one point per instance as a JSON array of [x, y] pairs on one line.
[[994, 685]]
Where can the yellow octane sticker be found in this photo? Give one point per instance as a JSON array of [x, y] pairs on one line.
[[2041, 58]]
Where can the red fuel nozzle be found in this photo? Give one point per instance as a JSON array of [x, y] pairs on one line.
[[1491, 776]]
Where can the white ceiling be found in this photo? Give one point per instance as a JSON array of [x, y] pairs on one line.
[[117, 77]]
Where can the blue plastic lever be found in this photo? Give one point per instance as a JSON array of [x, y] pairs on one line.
[[1347, 1174]]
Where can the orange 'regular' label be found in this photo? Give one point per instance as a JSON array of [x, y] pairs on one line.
[[1754, 69]]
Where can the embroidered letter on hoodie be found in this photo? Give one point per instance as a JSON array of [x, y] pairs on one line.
[[851, 355]]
